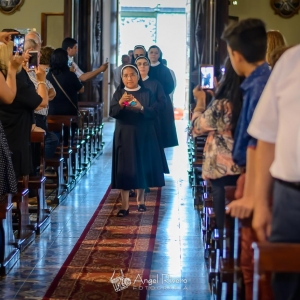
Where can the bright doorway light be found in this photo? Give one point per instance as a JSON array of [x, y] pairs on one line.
[[162, 23]]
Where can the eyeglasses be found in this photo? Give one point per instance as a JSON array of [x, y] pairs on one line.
[[129, 75], [145, 64]]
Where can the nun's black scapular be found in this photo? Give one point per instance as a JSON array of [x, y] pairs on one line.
[[162, 74], [137, 159], [157, 90]]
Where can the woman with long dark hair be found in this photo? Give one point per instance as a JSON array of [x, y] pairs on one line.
[[219, 120], [137, 161], [64, 81], [163, 75]]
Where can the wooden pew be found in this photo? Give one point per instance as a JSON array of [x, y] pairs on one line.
[[37, 183], [98, 109], [9, 254], [83, 139], [26, 230], [92, 129], [57, 180], [67, 151], [274, 257]]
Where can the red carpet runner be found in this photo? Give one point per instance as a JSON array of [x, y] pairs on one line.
[[108, 244]]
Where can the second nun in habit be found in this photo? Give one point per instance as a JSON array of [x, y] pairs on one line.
[[143, 64], [137, 161], [162, 74]]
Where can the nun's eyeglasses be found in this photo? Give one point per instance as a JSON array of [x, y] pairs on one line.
[[145, 64], [129, 75]]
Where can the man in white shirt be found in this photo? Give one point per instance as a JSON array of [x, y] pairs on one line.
[[70, 45], [276, 125], [117, 71]]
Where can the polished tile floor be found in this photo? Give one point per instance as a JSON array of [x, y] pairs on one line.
[[178, 258]]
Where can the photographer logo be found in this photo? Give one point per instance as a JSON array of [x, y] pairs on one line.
[[121, 282]]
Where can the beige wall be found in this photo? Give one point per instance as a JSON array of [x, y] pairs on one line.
[[263, 10], [29, 15]]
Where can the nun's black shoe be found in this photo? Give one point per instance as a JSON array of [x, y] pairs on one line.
[[132, 193], [142, 207], [123, 213]]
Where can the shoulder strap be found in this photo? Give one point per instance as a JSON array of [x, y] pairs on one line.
[[65, 92]]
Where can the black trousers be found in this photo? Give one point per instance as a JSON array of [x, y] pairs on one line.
[[218, 193], [285, 229]]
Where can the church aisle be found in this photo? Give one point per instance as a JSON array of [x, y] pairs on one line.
[[178, 255], [178, 260]]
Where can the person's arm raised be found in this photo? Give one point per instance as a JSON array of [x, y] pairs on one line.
[[9, 86], [5, 36], [90, 75], [42, 87]]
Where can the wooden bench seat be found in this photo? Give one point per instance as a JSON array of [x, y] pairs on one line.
[[25, 229], [55, 181], [9, 253], [37, 183], [274, 257]]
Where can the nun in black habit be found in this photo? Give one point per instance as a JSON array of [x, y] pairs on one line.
[[143, 64], [138, 50], [137, 161], [162, 74]]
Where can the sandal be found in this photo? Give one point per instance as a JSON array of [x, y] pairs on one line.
[[123, 213], [142, 207]]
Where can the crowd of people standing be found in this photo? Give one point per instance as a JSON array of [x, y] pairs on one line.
[[252, 143]]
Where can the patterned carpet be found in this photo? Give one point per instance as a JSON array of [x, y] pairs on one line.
[[112, 258]]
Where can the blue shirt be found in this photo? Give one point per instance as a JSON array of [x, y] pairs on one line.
[[252, 88]]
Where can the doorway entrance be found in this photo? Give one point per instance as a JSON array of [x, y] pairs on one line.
[[162, 23]]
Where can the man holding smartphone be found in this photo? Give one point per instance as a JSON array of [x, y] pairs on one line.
[[70, 45]]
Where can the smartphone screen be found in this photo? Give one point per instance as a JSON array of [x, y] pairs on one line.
[[18, 40], [70, 61], [207, 76], [33, 60]]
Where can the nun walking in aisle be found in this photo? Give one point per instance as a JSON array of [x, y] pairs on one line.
[[137, 162], [162, 74], [143, 64]]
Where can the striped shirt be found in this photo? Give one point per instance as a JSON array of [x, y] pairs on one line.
[[32, 76]]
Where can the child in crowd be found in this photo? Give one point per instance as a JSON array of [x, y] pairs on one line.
[[247, 45]]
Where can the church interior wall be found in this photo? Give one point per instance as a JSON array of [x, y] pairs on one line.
[[262, 9]]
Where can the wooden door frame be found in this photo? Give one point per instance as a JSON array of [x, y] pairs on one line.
[[44, 26]]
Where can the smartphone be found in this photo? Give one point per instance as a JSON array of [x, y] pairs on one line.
[[33, 60], [70, 61], [18, 40], [207, 77], [106, 60]]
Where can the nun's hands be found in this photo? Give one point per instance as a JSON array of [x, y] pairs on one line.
[[138, 105], [126, 98]]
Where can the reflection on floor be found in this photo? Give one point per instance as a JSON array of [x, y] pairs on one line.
[[178, 261]]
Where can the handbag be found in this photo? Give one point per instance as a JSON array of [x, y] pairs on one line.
[[79, 122]]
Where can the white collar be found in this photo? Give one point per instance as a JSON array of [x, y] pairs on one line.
[[155, 64], [144, 79], [132, 90]]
